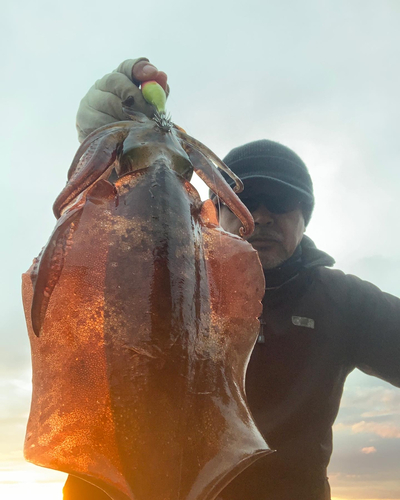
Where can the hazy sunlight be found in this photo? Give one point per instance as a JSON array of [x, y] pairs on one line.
[[33, 491]]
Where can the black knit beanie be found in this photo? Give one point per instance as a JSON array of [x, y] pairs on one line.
[[275, 163]]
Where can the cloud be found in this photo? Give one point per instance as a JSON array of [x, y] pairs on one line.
[[379, 269], [387, 429], [340, 426], [382, 430], [374, 400], [368, 450]]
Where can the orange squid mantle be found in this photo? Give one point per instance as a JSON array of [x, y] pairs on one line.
[[138, 372]]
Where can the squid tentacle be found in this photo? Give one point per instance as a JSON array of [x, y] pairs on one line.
[[206, 170], [97, 165], [211, 156]]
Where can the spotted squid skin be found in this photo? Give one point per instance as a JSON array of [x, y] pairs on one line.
[[50, 262], [143, 348]]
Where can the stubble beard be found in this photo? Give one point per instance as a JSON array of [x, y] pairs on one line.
[[271, 260]]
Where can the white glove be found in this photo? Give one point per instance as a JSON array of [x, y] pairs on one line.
[[103, 102]]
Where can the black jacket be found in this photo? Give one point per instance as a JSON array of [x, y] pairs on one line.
[[318, 324]]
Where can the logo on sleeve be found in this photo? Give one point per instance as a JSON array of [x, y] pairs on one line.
[[300, 321]]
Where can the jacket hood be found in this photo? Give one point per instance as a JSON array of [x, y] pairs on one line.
[[311, 256]]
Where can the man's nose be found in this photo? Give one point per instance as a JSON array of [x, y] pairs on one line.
[[263, 216]]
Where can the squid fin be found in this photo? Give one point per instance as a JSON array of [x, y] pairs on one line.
[[48, 267]]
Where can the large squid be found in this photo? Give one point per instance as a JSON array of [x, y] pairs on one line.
[[142, 314]]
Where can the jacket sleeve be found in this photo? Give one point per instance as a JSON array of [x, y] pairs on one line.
[[375, 317]]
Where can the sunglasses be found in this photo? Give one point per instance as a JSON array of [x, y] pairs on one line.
[[275, 205]]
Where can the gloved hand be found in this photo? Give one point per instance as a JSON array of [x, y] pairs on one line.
[[103, 102]]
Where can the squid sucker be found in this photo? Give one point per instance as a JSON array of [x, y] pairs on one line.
[[142, 313]]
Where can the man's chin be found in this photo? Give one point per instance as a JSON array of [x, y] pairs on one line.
[[270, 260]]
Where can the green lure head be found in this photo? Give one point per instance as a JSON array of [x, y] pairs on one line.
[[154, 94]]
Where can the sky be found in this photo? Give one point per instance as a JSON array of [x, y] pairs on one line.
[[321, 77]]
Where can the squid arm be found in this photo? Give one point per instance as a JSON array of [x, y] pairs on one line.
[[111, 127], [90, 139], [95, 164], [212, 156], [206, 170]]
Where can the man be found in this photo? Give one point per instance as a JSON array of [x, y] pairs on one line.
[[317, 325]]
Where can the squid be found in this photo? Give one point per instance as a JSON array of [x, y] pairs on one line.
[[142, 313]]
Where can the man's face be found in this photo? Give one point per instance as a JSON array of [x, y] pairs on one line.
[[276, 235]]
